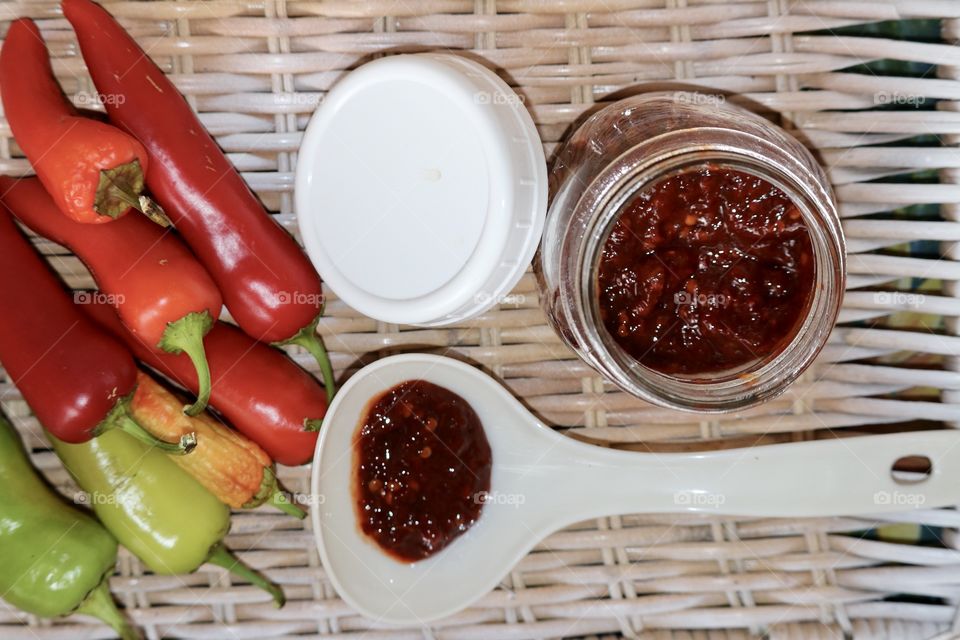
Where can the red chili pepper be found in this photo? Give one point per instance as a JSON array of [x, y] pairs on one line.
[[93, 170], [77, 378], [256, 387], [162, 293], [269, 285]]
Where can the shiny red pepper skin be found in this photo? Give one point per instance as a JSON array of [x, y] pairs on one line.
[[257, 388], [70, 371], [150, 277], [68, 151], [269, 285]]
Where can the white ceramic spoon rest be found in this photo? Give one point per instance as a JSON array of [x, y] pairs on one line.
[[543, 481]]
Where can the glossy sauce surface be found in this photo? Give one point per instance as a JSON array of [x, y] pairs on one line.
[[707, 270], [422, 469]]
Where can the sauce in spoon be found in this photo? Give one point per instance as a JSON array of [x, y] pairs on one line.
[[422, 469]]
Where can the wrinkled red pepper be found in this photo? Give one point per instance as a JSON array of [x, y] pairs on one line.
[[162, 293], [257, 388], [76, 377], [93, 170], [269, 285]]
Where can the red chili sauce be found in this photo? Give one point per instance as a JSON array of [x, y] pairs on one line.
[[423, 468], [706, 271]]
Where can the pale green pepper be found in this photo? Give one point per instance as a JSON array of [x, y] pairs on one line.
[[55, 558], [153, 507]]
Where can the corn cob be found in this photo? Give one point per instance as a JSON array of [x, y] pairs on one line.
[[234, 469]]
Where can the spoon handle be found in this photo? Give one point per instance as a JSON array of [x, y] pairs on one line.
[[844, 476]]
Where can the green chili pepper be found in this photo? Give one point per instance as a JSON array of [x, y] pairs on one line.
[[55, 558], [153, 507]]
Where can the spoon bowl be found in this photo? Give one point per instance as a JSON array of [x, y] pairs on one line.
[[542, 481]]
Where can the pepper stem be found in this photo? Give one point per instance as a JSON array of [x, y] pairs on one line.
[[153, 211], [100, 605], [120, 418], [119, 189], [270, 490], [280, 500], [222, 557], [186, 336], [311, 341]]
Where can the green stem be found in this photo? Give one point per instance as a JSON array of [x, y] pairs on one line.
[[153, 211], [120, 418], [280, 500], [100, 605], [311, 341], [312, 424], [222, 557], [127, 198], [270, 490], [119, 189], [186, 336]]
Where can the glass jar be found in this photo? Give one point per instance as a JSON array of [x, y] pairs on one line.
[[628, 146]]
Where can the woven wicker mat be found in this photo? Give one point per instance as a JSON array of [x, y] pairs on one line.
[[878, 99]]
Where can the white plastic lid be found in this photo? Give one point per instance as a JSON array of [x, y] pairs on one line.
[[421, 189]]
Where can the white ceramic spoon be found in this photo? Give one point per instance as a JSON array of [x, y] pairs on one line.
[[543, 481]]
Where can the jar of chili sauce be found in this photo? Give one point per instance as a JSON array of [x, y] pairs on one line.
[[692, 253]]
